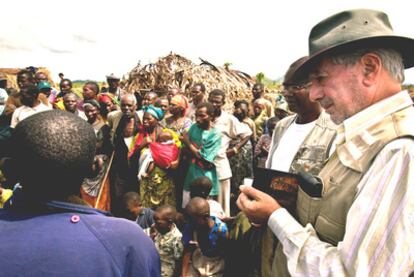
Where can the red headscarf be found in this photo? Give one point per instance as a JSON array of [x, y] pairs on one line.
[[104, 98]]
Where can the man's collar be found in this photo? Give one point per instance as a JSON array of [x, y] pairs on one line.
[[360, 134], [371, 115], [22, 201]]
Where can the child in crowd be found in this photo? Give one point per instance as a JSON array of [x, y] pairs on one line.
[[261, 150], [164, 105], [260, 115], [167, 239], [201, 187], [164, 152], [134, 211], [204, 239]]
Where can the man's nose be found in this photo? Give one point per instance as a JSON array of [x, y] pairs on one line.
[[315, 93]]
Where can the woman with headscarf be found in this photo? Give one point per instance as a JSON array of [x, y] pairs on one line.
[[178, 122], [92, 187], [157, 188], [107, 104]]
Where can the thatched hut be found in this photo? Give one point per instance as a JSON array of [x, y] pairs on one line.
[[176, 71]]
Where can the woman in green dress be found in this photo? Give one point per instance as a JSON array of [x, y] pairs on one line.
[[203, 143]]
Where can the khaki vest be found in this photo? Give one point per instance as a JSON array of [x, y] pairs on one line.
[[314, 150], [340, 177]]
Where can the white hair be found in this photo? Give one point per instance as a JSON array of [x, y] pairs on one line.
[[392, 61], [130, 96]]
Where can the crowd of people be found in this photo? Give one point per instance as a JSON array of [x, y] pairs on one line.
[[153, 147], [176, 165], [155, 143]]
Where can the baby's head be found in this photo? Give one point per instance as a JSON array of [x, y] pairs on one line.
[[200, 187], [164, 217], [165, 136]]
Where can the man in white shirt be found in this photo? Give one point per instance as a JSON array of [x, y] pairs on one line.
[[231, 129], [300, 143], [31, 105], [362, 222]]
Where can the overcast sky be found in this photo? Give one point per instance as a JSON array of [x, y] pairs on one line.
[[89, 39]]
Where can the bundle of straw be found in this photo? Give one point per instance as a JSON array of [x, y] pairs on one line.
[[176, 71]]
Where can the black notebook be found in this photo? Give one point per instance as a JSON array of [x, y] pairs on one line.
[[282, 186]]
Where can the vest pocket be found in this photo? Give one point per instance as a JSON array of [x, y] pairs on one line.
[[329, 231], [330, 222], [309, 158], [307, 207]]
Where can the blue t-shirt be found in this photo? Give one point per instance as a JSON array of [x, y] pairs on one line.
[[146, 218], [62, 239], [216, 239]]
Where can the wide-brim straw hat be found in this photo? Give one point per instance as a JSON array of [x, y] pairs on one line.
[[354, 29]]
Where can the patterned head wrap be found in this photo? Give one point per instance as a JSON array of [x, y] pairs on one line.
[[181, 101], [155, 112], [104, 98], [92, 102]]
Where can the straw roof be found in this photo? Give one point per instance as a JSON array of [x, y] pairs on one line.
[[176, 71]]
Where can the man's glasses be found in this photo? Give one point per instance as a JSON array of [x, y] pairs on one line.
[[297, 87]]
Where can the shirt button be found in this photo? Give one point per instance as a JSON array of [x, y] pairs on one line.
[[74, 219]]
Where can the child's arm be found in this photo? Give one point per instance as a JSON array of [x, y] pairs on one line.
[[150, 168], [190, 146], [186, 262], [178, 249], [145, 142], [178, 255], [223, 231]]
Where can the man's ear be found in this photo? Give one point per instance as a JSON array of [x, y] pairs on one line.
[[371, 66]]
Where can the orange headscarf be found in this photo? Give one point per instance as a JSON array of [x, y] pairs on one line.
[[181, 101]]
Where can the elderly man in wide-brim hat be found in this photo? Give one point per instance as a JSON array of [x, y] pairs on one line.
[[360, 222]]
